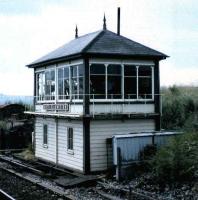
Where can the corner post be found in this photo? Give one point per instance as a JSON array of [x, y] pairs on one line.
[[86, 118], [157, 96]]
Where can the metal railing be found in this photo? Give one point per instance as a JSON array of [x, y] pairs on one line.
[[113, 100]]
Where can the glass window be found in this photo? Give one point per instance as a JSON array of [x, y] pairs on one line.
[[145, 82], [97, 81], [45, 134], [40, 81], [75, 83], [70, 139], [130, 82], [50, 85], [63, 83], [114, 77], [80, 76]]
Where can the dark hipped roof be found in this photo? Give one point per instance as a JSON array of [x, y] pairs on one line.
[[102, 42]]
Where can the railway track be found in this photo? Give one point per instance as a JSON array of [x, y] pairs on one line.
[[5, 196], [34, 175]]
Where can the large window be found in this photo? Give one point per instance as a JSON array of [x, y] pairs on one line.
[[114, 82], [144, 82], [130, 82], [63, 83], [97, 81]]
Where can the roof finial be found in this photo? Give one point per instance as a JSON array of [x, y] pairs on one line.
[[76, 30], [104, 23]]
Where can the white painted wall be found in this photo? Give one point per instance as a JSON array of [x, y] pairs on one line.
[[65, 158], [101, 130], [75, 160], [121, 108], [48, 152]]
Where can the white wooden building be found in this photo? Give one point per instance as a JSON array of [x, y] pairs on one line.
[[96, 86]]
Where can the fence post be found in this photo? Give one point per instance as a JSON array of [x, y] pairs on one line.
[[118, 167]]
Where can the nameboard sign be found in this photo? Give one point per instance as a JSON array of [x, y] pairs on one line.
[[56, 107]]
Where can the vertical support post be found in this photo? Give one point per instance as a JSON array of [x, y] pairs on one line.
[[86, 96], [119, 165], [86, 118], [157, 96]]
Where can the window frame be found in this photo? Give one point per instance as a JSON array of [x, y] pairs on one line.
[[63, 80], [43, 71], [137, 99]]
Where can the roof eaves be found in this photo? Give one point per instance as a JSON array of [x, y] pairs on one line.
[[55, 60], [127, 56]]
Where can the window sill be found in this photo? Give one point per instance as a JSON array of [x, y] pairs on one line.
[[71, 152], [45, 146]]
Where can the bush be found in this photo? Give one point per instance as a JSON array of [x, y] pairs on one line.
[[178, 160], [179, 104]]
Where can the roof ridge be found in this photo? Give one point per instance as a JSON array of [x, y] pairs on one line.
[[92, 41]]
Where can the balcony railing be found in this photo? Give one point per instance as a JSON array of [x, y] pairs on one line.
[[94, 97], [111, 104]]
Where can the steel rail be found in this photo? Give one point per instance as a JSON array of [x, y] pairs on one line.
[[5, 196], [38, 183]]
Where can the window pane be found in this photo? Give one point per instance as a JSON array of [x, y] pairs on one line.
[[60, 73], [97, 86], [66, 72], [66, 88], [60, 89], [114, 82], [45, 134], [80, 70], [114, 87], [130, 70], [145, 82], [80, 87], [70, 139], [97, 69], [97, 81], [130, 87], [144, 71], [145, 88], [74, 71], [40, 86], [114, 69], [50, 84], [74, 88]]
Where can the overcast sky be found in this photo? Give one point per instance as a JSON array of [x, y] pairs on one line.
[[31, 28]]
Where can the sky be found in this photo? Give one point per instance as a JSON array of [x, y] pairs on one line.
[[30, 29]]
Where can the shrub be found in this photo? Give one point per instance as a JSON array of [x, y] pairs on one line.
[[178, 160], [179, 106]]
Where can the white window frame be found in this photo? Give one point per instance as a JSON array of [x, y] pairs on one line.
[[106, 63], [44, 70]]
